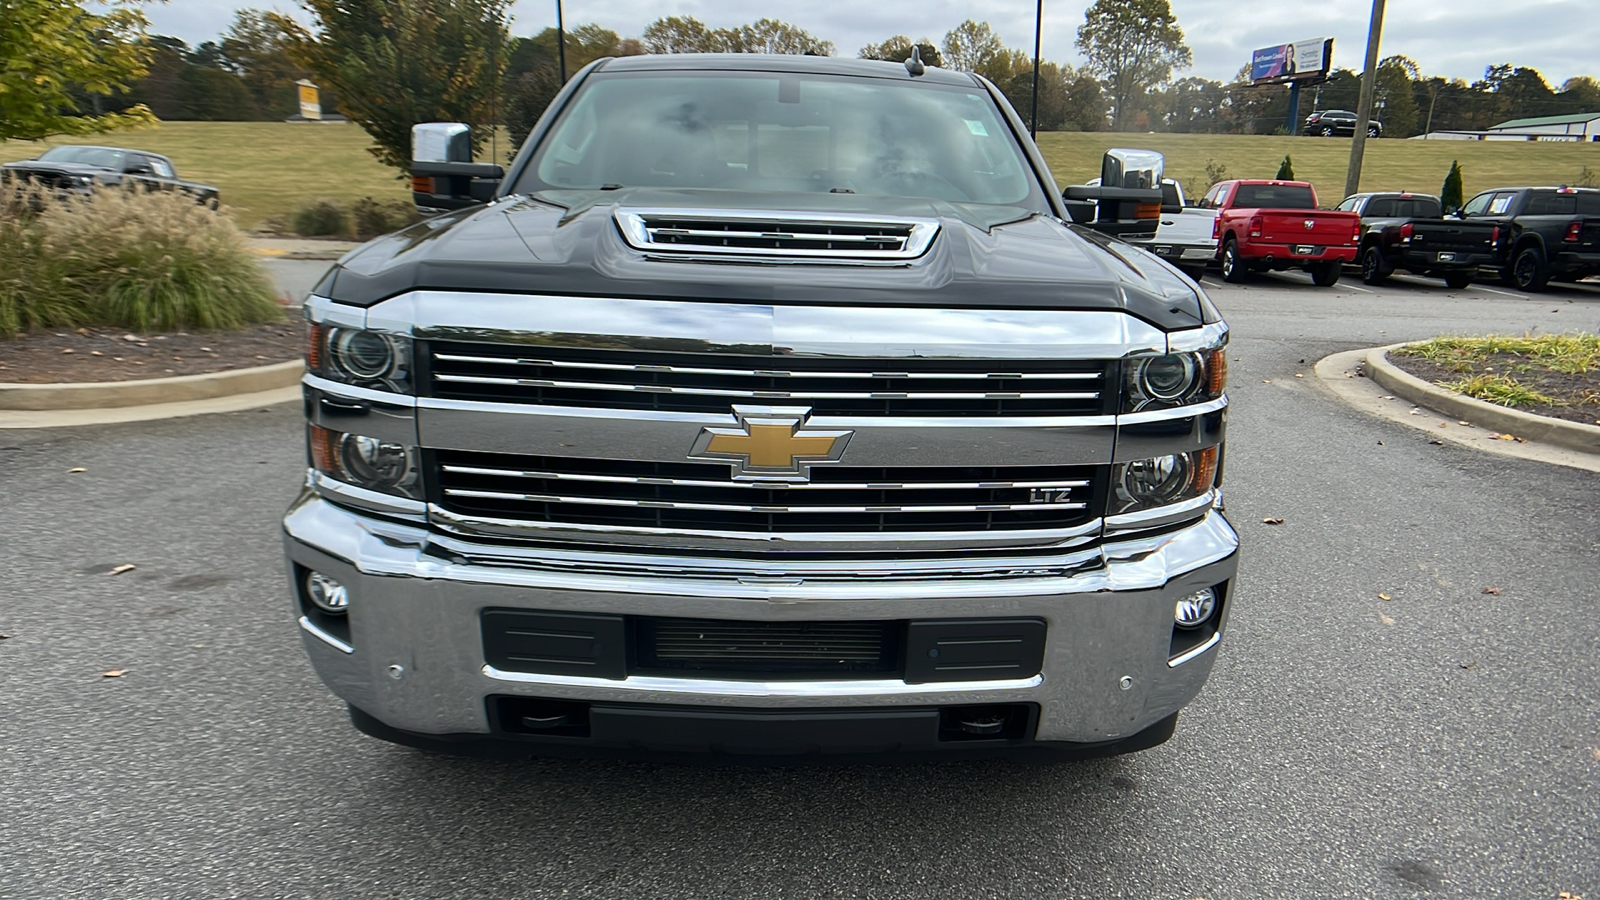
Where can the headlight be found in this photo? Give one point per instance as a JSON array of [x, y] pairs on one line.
[[1162, 481], [1174, 379], [369, 359], [375, 465]]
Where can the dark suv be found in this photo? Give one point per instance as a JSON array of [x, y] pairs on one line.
[[1339, 122]]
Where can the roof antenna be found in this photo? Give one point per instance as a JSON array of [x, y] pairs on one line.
[[914, 62]]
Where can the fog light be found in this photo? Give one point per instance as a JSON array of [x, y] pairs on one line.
[[1194, 610], [326, 594]]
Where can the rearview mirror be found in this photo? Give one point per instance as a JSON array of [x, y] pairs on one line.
[[1127, 202], [443, 175]]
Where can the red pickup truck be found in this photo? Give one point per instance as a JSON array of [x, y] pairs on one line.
[[1276, 225]]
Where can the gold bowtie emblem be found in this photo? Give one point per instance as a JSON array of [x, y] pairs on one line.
[[770, 443]]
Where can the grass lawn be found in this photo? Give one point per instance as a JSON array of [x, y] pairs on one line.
[[267, 170], [1419, 166], [1554, 375]]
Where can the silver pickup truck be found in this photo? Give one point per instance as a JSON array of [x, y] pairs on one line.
[[771, 406]]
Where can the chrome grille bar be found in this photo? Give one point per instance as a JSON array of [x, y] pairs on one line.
[[764, 373], [807, 486], [771, 395], [752, 508]]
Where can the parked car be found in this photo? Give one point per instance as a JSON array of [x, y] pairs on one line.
[[1547, 233], [1402, 230], [1275, 225], [1185, 235], [772, 406], [1339, 122], [75, 169]]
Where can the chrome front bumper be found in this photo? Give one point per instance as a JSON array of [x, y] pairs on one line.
[[415, 657]]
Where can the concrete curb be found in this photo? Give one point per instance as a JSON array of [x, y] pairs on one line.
[[1572, 435], [99, 395]]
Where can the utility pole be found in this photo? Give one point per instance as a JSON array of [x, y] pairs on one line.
[[561, 42], [1369, 80], [1038, 31]]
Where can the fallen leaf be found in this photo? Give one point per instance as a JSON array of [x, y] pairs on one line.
[[1298, 375], [1492, 590], [1387, 397], [1437, 443], [1266, 381], [113, 673], [76, 469], [83, 331], [1595, 751], [68, 350], [1385, 619], [5, 637], [1444, 424], [1272, 520], [125, 567], [1380, 443], [1468, 424], [1416, 410], [96, 353], [133, 338], [1507, 437], [1383, 596], [1468, 665]]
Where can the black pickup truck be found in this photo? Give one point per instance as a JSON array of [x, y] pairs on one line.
[[73, 169], [1546, 233], [1401, 230]]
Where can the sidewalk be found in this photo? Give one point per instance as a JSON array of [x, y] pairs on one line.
[[301, 248]]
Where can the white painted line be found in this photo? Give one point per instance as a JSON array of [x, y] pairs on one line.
[[1477, 287], [1354, 288]]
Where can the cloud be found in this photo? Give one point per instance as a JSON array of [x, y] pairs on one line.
[[1456, 39]]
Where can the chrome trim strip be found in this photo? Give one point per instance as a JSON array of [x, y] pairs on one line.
[[798, 486], [1161, 515], [1177, 412], [1206, 337], [322, 311], [733, 507], [323, 636], [690, 540], [532, 320], [764, 395], [352, 392], [765, 373], [1182, 658], [707, 687], [369, 500], [915, 235]]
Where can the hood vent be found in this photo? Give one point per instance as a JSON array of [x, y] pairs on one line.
[[776, 235]]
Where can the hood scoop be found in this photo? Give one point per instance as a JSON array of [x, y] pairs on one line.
[[776, 235]]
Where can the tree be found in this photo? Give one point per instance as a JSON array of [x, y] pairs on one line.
[[1285, 169], [1450, 196], [678, 34], [533, 71], [686, 34], [1132, 45], [968, 47], [55, 55], [257, 48], [898, 49], [395, 65]]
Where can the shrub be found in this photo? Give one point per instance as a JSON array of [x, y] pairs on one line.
[[1450, 196], [23, 304], [1285, 169], [151, 261], [323, 218], [374, 217]]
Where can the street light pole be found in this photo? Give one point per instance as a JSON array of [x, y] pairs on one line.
[[561, 42], [1369, 80], [1038, 32]]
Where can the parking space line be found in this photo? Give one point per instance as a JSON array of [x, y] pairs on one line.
[[1479, 287], [1362, 290]]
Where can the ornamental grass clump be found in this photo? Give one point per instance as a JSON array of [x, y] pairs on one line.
[[22, 304], [155, 261]]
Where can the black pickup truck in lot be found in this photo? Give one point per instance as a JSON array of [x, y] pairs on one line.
[[1547, 233], [1401, 230], [72, 169]]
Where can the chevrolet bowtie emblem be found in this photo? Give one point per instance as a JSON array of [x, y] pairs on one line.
[[771, 443]]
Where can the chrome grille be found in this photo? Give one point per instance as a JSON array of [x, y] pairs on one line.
[[767, 646], [693, 382], [795, 235], [703, 496]]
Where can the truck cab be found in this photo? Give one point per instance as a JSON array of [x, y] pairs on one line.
[[770, 406], [1275, 225]]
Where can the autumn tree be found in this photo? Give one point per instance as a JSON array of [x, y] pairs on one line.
[[58, 60], [533, 71], [898, 49], [686, 34], [257, 48], [1132, 45], [970, 46], [395, 65]]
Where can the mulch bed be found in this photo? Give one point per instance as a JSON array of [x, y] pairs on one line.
[[1575, 395], [115, 354]]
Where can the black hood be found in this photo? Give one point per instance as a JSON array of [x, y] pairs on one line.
[[55, 168], [568, 244]]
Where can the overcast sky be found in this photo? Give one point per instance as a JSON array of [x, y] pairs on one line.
[[1454, 38]]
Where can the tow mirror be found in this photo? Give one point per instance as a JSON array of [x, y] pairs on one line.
[[1128, 200], [443, 175]]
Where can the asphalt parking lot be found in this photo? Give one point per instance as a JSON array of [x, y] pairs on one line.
[[1443, 742]]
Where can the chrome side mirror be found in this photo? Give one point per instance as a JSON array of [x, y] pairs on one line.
[[1132, 169], [441, 142], [1127, 202], [443, 175]]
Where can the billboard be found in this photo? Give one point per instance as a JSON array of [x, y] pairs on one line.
[[1308, 59]]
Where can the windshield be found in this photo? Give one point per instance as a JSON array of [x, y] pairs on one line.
[[765, 132], [100, 157]]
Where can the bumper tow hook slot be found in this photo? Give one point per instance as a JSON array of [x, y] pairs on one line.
[[545, 723], [984, 724]]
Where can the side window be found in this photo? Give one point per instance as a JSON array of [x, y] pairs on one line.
[[1589, 204], [1380, 208], [1501, 203], [1477, 206], [1349, 205], [1545, 203], [136, 164], [160, 167]]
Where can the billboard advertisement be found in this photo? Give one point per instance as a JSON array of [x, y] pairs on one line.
[[1288, 62]]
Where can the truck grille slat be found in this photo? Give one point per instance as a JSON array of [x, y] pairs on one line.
[[690, 382], [843, 238], [704, 497]]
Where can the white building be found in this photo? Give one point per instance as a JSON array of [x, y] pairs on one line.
[[1577, 127]]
